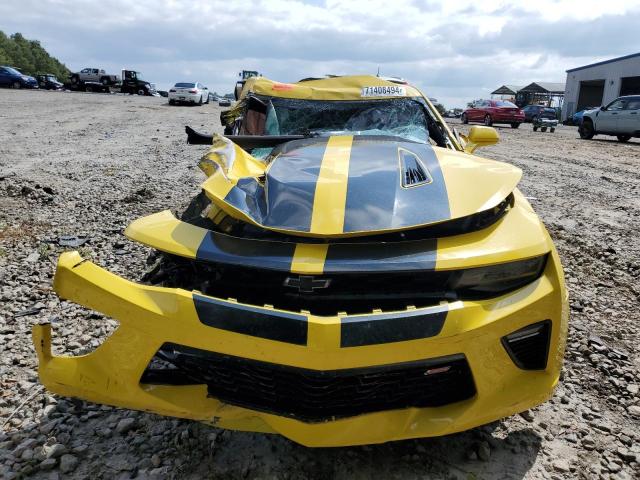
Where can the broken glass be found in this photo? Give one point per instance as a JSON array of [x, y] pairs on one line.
[[404, 118]]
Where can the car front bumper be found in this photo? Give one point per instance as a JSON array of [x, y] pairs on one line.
[[150, 317]]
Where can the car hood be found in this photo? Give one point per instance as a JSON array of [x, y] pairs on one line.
[[352, 185]]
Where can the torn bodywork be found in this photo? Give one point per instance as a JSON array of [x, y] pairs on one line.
[[348, 275]]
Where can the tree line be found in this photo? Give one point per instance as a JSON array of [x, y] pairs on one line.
[[29, 57]]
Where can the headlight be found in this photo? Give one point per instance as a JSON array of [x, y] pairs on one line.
[[498, 279]]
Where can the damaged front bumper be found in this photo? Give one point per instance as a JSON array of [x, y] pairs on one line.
[[249, 345]]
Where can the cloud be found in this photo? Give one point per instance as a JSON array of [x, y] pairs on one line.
[[454, 51]]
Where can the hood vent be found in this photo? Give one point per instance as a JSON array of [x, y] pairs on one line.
[[413, 172]]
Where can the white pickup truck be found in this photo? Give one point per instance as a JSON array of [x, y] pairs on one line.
[[95, 75], [621, 118]]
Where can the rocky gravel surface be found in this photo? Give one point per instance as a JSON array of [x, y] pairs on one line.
[[76, 168]]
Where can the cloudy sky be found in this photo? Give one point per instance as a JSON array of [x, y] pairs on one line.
[[455, 50]]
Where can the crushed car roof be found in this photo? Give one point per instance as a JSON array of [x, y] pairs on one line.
[[357, 87]]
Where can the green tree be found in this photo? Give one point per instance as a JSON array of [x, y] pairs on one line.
[[29, 57], [440, 108]]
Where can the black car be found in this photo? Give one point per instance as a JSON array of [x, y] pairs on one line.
[[10, 77], [48, 81], [533, 112]]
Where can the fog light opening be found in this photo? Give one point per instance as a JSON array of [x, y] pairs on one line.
[[528, 347]]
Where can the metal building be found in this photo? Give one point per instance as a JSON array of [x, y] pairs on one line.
[[550, 94], [600, 83], [506, 92]]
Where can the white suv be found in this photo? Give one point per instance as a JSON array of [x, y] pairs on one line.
[[620, 118]]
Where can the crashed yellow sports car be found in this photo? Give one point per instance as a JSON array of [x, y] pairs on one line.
[[351, 273]]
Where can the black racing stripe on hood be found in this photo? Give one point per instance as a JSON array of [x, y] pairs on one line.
[[286, 199], [376, 329], [256, 322], [406, 256], [376, 199]]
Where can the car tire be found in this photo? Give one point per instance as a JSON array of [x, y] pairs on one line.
[[74, 79], [172, 102], [464, 119], [16, 85], [543, 129], [552, 130], [586, 130], [535, 129], [104, 81], [141, 92], [624, 138], [515, 125], [200, 101], [88, 88], [487, 120]]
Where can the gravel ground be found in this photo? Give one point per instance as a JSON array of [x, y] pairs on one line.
[[87, 164]]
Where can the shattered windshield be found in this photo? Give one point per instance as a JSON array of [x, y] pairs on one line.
[[404, 117]]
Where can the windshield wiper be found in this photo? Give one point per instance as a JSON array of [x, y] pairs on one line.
[[246, 142]]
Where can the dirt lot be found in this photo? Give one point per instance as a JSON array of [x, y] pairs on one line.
[[88, 164]]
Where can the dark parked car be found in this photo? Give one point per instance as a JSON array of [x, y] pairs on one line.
[[532, 112], [49, 82], [10, 77], [493, 111]]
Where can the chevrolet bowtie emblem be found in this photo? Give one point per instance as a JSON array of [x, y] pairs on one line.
[[306, 283]]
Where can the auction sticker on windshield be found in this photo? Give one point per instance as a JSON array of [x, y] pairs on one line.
[[383, 91]]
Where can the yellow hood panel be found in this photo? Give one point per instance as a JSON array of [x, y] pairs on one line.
[[350, 186]]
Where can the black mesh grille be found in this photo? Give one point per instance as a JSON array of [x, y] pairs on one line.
[[312, 395], [529, 346]]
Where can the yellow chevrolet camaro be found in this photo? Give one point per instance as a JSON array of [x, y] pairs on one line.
[[351, 273]]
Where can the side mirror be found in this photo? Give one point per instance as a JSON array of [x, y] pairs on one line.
[[603, 108], [480, 137]]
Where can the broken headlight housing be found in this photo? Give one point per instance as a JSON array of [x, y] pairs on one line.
[[498, 279]]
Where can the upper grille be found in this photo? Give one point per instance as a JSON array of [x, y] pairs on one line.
[[332, 292], [313, 395]]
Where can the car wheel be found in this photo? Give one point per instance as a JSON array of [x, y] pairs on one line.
[[141, 91], [172, 102], [543, 129], [105, 81], [74, 79], [487, 120], [535, 129], [16, 85], [200, 101], [88, 88], [552, 130], [515, 125], [464, 118], [586, 130], [624, 138]]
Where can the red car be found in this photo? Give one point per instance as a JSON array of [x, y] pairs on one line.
[[493, 111]]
